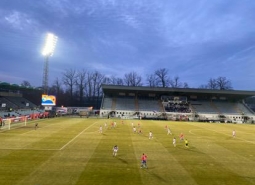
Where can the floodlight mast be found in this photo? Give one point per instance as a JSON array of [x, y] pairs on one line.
[[48, 50]]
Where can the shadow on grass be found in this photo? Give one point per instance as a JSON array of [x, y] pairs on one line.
[[229, 138], [155, 175], [26, 127], [190, 149], [122, 160]]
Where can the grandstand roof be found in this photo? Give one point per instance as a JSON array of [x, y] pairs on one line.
[[6, 87], [159, 91]]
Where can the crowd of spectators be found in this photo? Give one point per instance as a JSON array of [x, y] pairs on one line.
[[176, 104], [177, 107]]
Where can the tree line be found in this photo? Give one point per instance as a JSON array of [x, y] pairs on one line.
[[76, 87]]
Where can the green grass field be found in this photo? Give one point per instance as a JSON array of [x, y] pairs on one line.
[[71, 151]]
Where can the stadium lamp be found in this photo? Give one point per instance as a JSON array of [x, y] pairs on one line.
[[50, 44]]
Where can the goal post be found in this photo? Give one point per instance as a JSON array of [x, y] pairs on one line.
[[12, 123], [6, 124]]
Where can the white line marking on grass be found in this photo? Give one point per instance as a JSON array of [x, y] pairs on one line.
[[76, 136], [34, 130], [252, 142], [29, 123], [34, 149], [190, 131]]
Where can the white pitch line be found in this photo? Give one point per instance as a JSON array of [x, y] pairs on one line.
[[30, 149], [46, 148], [76, 136], [252, 142], [190, 131]]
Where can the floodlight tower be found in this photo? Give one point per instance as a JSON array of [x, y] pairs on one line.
[[50, 44]]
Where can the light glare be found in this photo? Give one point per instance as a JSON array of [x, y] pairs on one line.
[[50, 44]]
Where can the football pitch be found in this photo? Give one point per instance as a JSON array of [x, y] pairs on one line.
[[71, 151]]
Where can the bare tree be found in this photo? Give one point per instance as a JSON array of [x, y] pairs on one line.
[[185, 85], [93, 83], [26, 84], [132, 79], [69, 79], [88, 86], [113, 80], [152, 80], [212, 84], [162, 77], [119, 81], [56, 87], [97, 81], [80, 83], [203, 87], [223, 83], [106, 80], [175, 83]]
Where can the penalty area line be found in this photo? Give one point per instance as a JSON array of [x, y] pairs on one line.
[[252, 142], [76, 136]]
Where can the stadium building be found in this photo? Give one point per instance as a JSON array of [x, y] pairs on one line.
[[187, 104], [128, 102], [18, 104]]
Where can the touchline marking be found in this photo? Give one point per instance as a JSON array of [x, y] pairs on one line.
[[77, 136], [220, 133], [48, 149], [34, 149]]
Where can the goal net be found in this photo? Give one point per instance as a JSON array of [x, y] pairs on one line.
[[11, 123]]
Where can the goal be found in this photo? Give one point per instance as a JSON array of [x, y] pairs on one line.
[[6, 124], [10, 123]]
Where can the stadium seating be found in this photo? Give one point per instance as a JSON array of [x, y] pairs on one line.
[[20, 102], [245, 109], [107, 103], [149, 105], [126, 103], [8, 104], [203, 107]]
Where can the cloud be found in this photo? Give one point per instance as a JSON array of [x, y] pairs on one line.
[[119, 36], [131, 20], [19, 21], [199, 22], [16, 20], [243, 53]]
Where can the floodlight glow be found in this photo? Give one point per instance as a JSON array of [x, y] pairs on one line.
[[50, 44]]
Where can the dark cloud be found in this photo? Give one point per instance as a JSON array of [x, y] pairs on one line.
[[195, 40]]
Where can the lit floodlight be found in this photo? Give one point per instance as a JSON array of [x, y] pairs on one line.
[[50, 44], [48, 50]]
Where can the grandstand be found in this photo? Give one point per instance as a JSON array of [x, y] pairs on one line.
[[176, 104], [127, 102], [15, 108]]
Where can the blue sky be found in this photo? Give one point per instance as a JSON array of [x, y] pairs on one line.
[[195, 40]]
